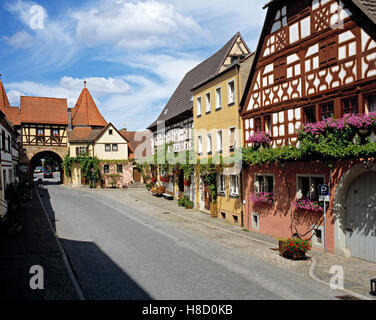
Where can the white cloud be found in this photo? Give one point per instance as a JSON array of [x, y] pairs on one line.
[[136, 24], [20, 40], [99, 86]]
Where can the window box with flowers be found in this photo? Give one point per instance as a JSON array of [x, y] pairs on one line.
[[259, 139], [294, 248], [262, 197], [308, 205]]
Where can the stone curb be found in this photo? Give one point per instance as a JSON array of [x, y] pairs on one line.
[[62, 251]]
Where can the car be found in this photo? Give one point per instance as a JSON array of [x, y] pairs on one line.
[[38, 170], [48, 174]]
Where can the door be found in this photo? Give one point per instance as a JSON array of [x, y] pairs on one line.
[[360, 221], [207, 198], [202, 195], [136, 175]]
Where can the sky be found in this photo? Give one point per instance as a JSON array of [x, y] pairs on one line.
[[133, 54]]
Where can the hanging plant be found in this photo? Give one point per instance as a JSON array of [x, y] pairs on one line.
[[262, 197]]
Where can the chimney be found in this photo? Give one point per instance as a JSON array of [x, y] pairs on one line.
[[69, 119], [124, 129]]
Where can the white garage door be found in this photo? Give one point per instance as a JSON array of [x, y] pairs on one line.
[[361, 217]]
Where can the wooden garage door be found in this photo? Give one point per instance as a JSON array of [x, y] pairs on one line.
[[361, 217]]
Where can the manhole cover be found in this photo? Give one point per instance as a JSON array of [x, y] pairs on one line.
[[348, 298]]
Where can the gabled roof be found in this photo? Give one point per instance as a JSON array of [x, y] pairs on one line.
[[44, 110], [3, 97], [86, 113], [180, 102], [366, 9], [105, 129]]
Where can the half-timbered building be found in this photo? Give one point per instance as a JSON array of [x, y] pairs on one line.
[[315, 60]]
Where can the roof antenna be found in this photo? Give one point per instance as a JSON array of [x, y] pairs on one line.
[[84, 83]]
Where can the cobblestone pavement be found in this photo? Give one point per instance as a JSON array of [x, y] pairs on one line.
[[357, 273], [35, 244]]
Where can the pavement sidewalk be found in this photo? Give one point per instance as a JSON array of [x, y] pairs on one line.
[[357, 273], [35, 244]]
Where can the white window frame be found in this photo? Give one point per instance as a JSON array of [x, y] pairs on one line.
[[221, 184], [231, 102], [234, 188], [235, 138], [219, 140], [199, 106], [299, 193], [209, 143], [208, 105], [199, 144], [263, 175], [218, 98]]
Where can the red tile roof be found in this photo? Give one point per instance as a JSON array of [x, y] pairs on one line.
[[13, 114], [3, 97], [83, 134], [133, 144], [86, 113], [44, 110]]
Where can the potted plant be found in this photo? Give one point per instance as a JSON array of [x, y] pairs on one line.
[[294, 248]]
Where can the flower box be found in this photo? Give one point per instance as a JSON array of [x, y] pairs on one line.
[[187, 183], [260, 138], [262, 197], [307, 204]]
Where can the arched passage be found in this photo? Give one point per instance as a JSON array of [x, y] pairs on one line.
[[52, 160], [352, 194]]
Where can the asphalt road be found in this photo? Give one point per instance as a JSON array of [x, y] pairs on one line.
[[119, 253]]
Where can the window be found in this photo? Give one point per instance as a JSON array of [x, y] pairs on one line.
[[55, 132], [40, 132], [199, 145], [198, 106], [232, 139], [257, 123], [3, 140], [81, 151], [219, 141], [110, 132], [349, 106], [308, 186], [234, 185], [9, 144], [107, 147], [208, 102], [328, 52], [115, 147], [264, 183], [231, 92], [280, 70], [119, 168], [209, 143], [280, 19], [326, 111], [221, 184], [309, 115], [218, 98], [371, 103], [106, 168]]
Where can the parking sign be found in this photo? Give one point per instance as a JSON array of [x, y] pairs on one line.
[[324, 192]]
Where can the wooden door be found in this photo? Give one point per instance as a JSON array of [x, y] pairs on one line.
[[136, 175]]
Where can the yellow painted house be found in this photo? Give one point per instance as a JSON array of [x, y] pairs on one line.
[[218, 128]]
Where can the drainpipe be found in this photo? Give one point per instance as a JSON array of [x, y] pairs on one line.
[[69, 119]]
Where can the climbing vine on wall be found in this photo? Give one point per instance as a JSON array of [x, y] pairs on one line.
[[89, 166]]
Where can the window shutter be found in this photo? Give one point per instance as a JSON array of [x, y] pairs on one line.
[[77, 151]]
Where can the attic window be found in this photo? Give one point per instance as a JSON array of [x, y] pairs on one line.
[[110, 132]]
